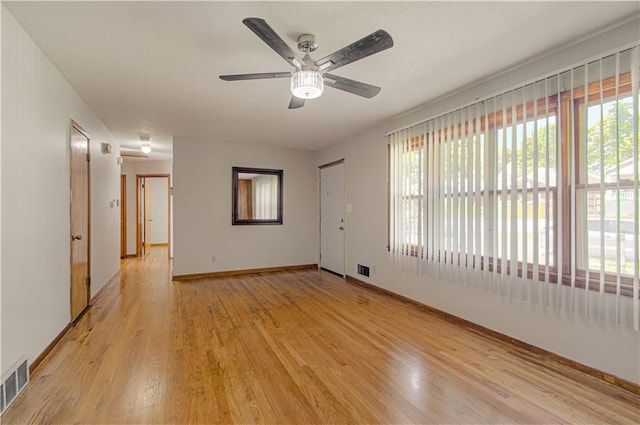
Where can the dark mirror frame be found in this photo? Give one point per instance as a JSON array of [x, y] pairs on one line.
[[234, 196]]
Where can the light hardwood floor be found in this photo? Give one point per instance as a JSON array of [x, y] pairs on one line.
[[296, 347]]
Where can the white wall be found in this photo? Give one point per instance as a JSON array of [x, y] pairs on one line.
[[37, 108], [158, 210], [131, 168], [202, 196], [608, 348]]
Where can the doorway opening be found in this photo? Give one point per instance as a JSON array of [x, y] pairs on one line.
[[153, 213], [123, 216]]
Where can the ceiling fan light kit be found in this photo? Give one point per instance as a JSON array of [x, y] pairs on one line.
[[307, 84], [309, 78]]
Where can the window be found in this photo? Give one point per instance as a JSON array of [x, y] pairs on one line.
[[475, 188], [540, 182], [606, 186], [409, 200], [526, 189]]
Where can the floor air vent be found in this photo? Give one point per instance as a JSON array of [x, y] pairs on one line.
[[13, 382]]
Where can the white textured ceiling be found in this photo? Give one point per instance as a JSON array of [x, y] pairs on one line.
[[152, 67]]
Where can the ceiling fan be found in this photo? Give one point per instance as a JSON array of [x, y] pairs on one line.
[[310, 77]]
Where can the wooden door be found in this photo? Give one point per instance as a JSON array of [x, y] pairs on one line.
[[123, 216], [332, 218], [141, 216], [80, 237]]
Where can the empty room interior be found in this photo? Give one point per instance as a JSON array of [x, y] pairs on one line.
[[320, 212]]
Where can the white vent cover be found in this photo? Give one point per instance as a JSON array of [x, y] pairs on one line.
[[13, 382], [136, 153]]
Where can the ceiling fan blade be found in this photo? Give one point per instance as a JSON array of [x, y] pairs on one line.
[[351, 86], [367, 46], [296, 102], [269, 36], [259, 76]]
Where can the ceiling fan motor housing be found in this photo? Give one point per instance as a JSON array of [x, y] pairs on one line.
[[307, 43]]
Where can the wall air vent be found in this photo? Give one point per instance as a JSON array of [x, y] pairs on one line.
[[134, 153], [363, 270], [13, 382]]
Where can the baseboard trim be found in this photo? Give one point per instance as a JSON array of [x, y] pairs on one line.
[[231, 273], [547, 355], [115, 277], [34, 365], [38, 361]]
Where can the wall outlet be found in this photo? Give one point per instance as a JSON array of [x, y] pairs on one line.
[[213, 259], [373, 269]]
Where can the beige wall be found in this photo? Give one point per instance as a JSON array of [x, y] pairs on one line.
[[37, 108], [612, 349], [202, 197]]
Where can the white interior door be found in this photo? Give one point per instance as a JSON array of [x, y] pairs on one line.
[[332, 218], [148, 218]]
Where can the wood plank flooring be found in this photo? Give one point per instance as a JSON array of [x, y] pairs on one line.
[[296, 347]]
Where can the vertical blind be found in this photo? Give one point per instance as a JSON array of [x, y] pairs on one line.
[[532, 193], [265, 197]]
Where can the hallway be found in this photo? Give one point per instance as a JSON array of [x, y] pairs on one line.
[[295, 347]]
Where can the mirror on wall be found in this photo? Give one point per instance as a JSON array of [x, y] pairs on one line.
[[256, 196]]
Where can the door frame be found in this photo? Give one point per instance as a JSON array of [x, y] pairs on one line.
[[344, 212], [123, 215], [140, 178], [75, 126]]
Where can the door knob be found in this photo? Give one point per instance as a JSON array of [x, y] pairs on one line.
[[341, 228], [76, 237]]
